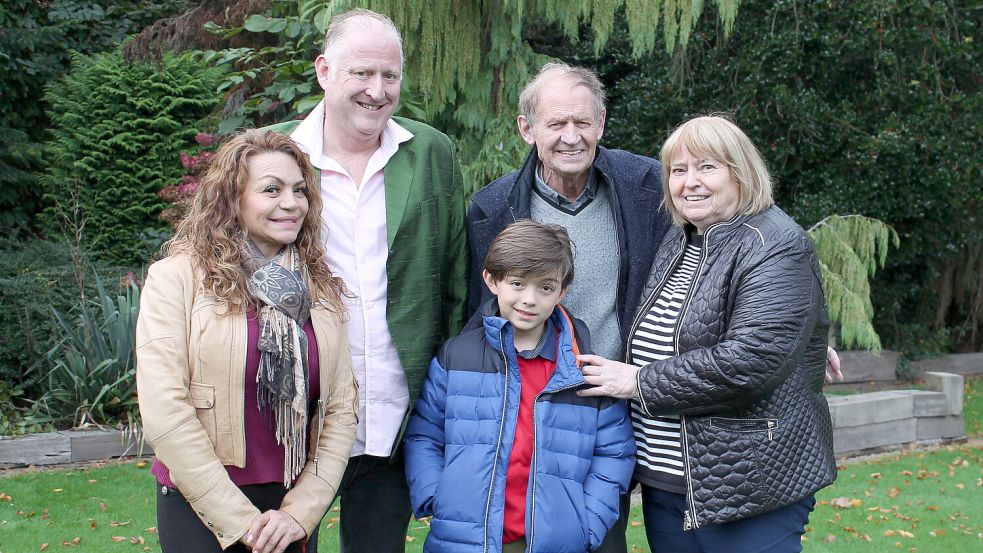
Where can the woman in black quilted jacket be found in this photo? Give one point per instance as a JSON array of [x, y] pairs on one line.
[[726, 358]]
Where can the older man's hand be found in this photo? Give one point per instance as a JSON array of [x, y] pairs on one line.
[[608, 378]]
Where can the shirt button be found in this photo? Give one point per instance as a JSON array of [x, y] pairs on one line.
[[163, 490]]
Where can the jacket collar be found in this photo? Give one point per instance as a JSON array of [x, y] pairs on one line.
[[498, 334], [518, 195], [717, 233]]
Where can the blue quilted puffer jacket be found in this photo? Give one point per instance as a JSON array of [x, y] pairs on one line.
[[460, 436]]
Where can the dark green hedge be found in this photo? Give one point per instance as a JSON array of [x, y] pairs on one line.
[[860, 107], [118, 129], [36, 41]]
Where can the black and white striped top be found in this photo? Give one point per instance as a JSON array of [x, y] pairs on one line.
[[660, 457]]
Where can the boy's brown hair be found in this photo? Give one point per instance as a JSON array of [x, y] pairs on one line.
[[530, 249]]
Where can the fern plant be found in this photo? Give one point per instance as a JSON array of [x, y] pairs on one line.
[[851, 248]]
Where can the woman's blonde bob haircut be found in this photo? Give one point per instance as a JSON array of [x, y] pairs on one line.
[[716, 137], [211, 232]]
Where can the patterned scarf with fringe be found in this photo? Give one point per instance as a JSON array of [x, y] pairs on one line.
[[283, 364]]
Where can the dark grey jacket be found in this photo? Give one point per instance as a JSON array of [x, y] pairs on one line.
[[748, 379]]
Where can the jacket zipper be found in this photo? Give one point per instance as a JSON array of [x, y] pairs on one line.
[[245, 353], [320, 425], [689, 517], [501, 431], [535, 456], [323, 378], [689, 520]]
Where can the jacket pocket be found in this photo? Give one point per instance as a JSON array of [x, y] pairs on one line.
[[745, 425], [203, 400]]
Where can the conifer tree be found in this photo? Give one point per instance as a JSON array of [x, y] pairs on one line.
[[850, 250]]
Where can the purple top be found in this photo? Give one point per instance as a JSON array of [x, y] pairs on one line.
[[264, 456]]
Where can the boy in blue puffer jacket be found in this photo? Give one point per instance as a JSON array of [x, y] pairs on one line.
[[500, 450]]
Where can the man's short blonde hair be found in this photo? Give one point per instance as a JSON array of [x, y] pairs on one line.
[[718, 138], [340, 25]]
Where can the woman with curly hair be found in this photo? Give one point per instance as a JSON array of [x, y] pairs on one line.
[[243, 372]]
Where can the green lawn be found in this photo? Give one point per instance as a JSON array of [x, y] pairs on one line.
[[913, 501]]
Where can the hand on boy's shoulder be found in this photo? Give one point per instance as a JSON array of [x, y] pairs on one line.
[[608, 378]]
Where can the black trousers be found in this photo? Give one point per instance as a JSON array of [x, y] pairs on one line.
[[181, 531], [375, 505]]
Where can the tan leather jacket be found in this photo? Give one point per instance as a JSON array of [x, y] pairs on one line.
[[190, 379]]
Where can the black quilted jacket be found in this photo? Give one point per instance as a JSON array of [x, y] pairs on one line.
[[748, 379]]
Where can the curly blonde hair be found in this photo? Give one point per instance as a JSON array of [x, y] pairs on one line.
[[211, 231]]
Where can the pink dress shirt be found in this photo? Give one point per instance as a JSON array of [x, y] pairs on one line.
[[354, 217]]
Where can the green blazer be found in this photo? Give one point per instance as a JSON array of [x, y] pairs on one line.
[[427, 267]]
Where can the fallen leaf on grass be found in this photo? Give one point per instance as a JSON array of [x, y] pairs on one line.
[[117, 523], [137, 540], [410, 538], [635, 524], [92, 524], [875, 475], [845, 503], [830, 538], [93, 481], [58, 490], [75, 541], [44, 546], [118, 538], [932, 508], [4, 497], [894, 492], [102, 507], [141, 464], [936, 533], [151, 530]]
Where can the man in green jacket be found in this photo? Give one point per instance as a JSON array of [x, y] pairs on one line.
[[394, 206]]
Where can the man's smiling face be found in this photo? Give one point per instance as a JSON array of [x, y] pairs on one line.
[[361, 78], [565, 130]]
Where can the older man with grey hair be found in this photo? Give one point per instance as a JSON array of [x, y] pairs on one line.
[[395, 233], [608, 200]]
